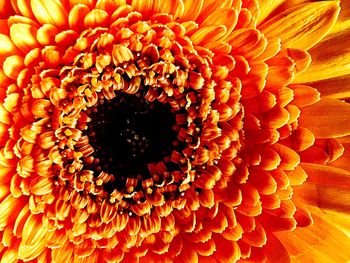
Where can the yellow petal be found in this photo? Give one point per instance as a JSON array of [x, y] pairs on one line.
[[173, 7], [327, 118], [209, 6], [208, 34], [50, 12], [222, 16], [330, 58], [266, 7], [24, 8], [76, 17], [24, 36], [10, 207], [146, 7], [7, 47], [303, 26], [12, 66], [96, 18]]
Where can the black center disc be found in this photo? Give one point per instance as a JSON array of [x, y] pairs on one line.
[[128, 133]]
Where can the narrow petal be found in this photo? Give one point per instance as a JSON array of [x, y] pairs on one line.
[[175, 8], [335, 88], [208, 34], [325, 175], [191, 10], [222, 16], [327, 118], [330, 58], [314, 243], [146, 7], [303, 26], [266, 7]]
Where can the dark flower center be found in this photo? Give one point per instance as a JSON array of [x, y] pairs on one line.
[[127, 134]]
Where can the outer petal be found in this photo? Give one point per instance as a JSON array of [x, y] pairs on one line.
[[330, 58], [191, 10], [325, 175], [303, 26], [321, 242], [327, 118], [266, 7], [335, 88]]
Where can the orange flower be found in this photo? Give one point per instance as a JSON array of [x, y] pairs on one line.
[[174, 131]]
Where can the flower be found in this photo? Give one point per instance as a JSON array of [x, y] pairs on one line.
[[174, 131]]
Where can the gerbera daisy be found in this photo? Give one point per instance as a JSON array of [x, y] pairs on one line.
[[174, 131]]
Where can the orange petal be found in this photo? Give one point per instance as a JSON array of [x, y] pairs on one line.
[[33, 238], [13, 65], [263, 182], [191, 11], [146, 7], [327, 118], [314, 243], [110, 5], [257, 237], [9, 208], [6, 9], [175, 8], [303, 26], [77, 16], [326, 175], [7, 47], [276, 118], [335, 88], [304, 95], [96, 18], [222, 16], [205, 248], [330, 58], [226, 250], [208, 34], [324, 197], [301, 59], [276, 252], [289, 158], [50, 12]]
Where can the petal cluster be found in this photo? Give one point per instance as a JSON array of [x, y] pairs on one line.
[[250, 129]]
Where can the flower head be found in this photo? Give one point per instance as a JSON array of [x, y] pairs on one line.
[[173, 131]]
